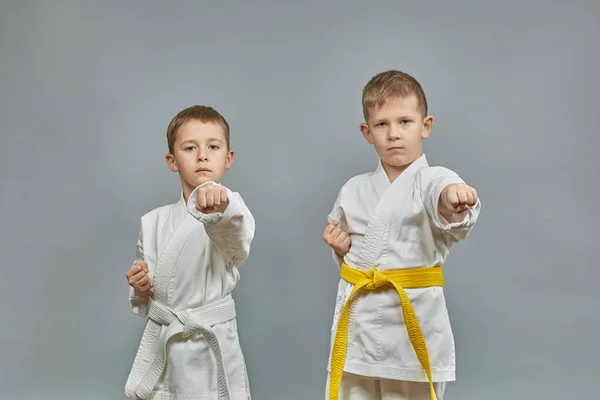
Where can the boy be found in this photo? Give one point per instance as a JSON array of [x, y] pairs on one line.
[[390, 231], [188, 255]]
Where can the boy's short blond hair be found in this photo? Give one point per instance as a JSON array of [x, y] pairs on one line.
[[203, 114], [391, 84]]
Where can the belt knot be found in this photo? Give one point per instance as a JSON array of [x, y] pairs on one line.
[[191, 324], [377, 279]]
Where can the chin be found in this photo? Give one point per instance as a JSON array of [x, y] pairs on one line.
[[400, 160], [203, 180], [397, 163], [194, 183]]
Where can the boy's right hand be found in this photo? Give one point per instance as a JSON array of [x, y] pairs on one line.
[[336, 238], [138, 278]]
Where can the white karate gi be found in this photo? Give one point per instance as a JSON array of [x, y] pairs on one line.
[[395, 226], [193, 261]]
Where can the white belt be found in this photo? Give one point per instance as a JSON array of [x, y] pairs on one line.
[[151, 355]]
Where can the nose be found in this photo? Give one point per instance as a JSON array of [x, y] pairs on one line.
[[202, 156], [394, 133]]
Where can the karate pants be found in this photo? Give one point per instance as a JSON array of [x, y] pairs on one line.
[[356, 387]]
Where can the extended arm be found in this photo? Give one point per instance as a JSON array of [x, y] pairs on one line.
[[232, 230], [436, 184]]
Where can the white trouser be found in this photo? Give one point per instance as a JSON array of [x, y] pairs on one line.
[[356, 387]]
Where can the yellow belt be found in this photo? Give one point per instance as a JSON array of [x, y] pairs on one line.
[[400, 279]]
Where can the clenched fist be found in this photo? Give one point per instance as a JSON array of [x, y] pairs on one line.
[[212, 199], [457, 198], [138, 278], [336, 238]]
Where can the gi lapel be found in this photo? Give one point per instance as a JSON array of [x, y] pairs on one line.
[[389, 195], [183, 225]]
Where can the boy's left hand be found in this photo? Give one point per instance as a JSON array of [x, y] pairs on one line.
[[457, 198], [212, 199]]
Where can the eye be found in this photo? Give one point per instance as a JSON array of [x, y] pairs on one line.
[[189, 148], [381, 124], [213, 147]]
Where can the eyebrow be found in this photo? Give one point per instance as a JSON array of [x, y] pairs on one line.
[[402, 117], [210, 139]]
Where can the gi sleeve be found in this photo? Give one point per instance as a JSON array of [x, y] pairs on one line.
[[337, 214], [431, 181], [232, 231], [139, 304]]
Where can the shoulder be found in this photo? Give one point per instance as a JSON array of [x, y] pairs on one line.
[[159, 212], [433, 172], [432, 179], [356, 182]]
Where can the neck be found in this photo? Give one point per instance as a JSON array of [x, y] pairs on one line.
[[394, 172], [186, 196], [187, 190]]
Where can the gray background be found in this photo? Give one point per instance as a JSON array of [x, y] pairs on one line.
[[88, 88]]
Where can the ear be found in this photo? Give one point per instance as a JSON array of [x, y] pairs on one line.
[[171, 162], [364, 128], [427, 126], [229, 159]]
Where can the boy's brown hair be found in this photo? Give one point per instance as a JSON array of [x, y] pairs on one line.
[[390, 84], [204, 114]]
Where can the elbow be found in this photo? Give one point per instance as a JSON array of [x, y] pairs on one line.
[[246, 242], [243, 254], [460, 234], [139, 307], [239, 259], [238, 253]]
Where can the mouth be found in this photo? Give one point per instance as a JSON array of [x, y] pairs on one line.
[[396, 148], [202, 169]]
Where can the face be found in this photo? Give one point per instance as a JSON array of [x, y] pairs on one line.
[[199, 154], [396, 130]]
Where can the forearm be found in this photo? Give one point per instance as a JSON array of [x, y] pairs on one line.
[[139, 302], [433, 181], [233, 234], [232, 231]]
